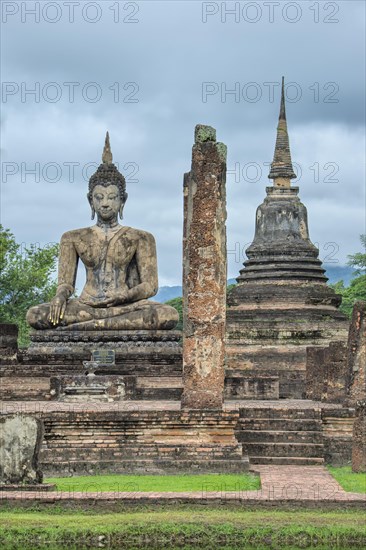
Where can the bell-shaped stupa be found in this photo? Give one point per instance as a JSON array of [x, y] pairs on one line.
[[282, 302]]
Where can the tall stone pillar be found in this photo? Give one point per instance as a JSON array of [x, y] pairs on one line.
[[356, 354], [359, 438], [204, 273]]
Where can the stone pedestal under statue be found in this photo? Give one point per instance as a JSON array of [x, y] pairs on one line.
[[148, 363]]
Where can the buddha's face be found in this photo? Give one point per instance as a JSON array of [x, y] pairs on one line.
[[106, 201]]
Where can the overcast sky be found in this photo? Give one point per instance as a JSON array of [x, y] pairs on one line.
[[149, 72]]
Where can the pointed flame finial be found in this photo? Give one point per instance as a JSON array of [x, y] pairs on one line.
[[281, 168], [283, 107], [107, 153]]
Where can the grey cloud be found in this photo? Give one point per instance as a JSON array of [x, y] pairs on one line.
[[170, 53]]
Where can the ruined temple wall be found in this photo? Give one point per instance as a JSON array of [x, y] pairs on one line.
[[359, 438], [270, 339], [326, 373], [136, 441]]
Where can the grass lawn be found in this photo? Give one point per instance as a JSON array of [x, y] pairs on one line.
[[156, 483], [350, 481], [183, 527]]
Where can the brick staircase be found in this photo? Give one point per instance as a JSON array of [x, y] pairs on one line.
[[281, 436]]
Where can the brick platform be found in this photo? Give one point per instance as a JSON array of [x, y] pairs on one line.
[[84, 437], [88, 438]]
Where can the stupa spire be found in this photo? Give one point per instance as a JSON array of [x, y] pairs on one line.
[[107, 153], [281, 168]]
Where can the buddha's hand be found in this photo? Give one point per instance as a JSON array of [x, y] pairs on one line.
[[57, 310], [113, 299]]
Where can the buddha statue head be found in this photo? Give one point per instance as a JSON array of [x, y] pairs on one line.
[[107, 188]]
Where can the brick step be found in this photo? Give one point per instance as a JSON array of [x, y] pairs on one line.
[[284, 413], [126, 429], [146, 466], [280, 436], [286, 460], [158, 393], [286, 424], [164, 382], [65, 367], [38, 388], [143, 451], [303, 450], [14, 388]]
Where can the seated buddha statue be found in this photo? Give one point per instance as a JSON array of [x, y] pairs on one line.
[[120, 263]]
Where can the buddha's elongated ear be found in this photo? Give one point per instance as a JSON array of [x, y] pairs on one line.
[[91, 206], [122, 206]]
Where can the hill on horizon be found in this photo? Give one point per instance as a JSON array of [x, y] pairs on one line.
[[334, 273]]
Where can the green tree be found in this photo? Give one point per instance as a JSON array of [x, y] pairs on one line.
[[26, 279], [357, 287], [177, 303], [358, 260]]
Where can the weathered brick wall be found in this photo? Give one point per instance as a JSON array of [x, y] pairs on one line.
[[140, 441], [15, 388], [336, 373], [356, 354], [337, 433], [359, 439], [265, 359], [247, 385], [315, 372], [270, 333], [326, 373]]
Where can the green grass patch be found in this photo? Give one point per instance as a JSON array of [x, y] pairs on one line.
[[157, 483], [188, 527], [350, 481]]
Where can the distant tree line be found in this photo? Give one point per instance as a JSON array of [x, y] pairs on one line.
[[357, 287]]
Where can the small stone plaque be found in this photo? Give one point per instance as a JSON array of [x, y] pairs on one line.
[[105, 356]]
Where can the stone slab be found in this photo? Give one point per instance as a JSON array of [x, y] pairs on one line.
[[77, 388], [20, 443]]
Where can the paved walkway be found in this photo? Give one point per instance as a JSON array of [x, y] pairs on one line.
[[301, 485]]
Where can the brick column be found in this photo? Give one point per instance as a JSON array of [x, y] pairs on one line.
[[204, 273], [356, 354], [359, 438]]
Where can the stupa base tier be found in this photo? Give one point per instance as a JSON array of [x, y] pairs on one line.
[[284, 368], [273, 342], [294, 293]]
